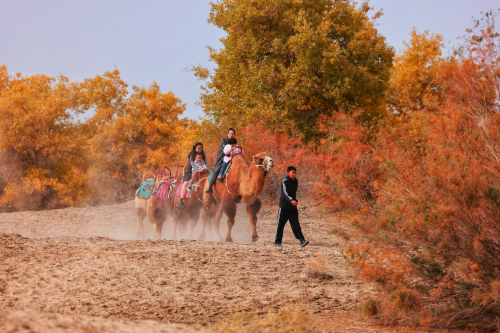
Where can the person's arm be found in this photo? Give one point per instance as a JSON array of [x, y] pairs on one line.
[[220, 154], [227, 150], [285, 191], [189, 169], [296, 191]]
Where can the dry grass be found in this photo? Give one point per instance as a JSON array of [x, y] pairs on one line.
[[316, 268], [340, 232], [292, 319]]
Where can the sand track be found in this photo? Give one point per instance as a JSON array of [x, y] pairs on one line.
[[65, 262]]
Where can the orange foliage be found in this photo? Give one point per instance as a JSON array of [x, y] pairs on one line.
[[39, 142], [432, 241], [51, 159]]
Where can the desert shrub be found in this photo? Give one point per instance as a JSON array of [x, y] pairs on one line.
[[431, 236]]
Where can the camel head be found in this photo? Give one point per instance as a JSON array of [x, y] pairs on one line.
[[263, 161]]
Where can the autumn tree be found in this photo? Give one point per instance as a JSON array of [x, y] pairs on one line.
[[128, 133], [413, 85], [289, 62], [40, 147]]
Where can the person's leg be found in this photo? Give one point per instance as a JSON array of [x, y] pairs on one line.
[[294, 223], [214, 178], [183, 193], [282, 218], [184, 189], [222, 169]]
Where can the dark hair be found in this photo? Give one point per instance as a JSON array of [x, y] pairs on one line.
[[199, 154], [231, 129], [232, 141], [192, 153], [290, 168]]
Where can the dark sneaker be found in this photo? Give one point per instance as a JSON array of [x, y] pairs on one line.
[[278, 245], [304, 242], [209, 190], [180, 204]]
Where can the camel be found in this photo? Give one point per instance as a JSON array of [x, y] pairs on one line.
[[193, 205], [243, 183], [157, 211]]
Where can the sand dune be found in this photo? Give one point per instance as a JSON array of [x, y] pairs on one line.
[[85, 262]]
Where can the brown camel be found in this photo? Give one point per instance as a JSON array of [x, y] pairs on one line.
[[243, 183], [157, 210], [192, 205]]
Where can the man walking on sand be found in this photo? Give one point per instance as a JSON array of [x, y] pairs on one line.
[[288, 208]]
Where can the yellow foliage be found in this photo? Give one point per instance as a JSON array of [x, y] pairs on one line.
[[52, 159], [38, 131], [412, 85]]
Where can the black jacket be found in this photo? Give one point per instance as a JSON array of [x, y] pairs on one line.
[[288, 192], [188, 173], [220, 154]]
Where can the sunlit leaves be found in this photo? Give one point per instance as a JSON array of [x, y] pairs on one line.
[[292, 61]]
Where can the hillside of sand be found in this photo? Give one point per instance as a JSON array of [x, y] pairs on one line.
[[85, 266]]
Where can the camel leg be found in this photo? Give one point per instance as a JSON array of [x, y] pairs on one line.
[[252, 211], [141, 214], [204, 218], [159, 226], [176, 222], [216, 222], [230, 210], [194, 222]]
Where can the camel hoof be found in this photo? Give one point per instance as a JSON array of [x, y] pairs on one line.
[[229, 240], [255, 238]]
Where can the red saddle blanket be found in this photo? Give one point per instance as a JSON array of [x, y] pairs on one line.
[[189, 189], [161, 191]]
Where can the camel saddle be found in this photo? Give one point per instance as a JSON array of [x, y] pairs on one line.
[[162, 190], [189, 189], [223, 176], [145, 189]]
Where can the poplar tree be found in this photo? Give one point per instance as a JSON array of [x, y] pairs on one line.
[[291, 61]]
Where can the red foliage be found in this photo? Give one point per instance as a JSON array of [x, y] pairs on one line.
[[432, 240]]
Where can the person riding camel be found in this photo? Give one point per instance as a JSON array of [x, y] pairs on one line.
[[220, 156], [230, 150], [194, 165]]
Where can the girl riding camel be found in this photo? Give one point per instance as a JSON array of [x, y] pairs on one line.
[[230, 150], [197, 162], [220, 156]]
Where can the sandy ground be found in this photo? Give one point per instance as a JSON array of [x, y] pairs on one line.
[[84, 268]]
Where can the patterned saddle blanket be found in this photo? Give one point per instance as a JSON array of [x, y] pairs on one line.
[[162, 190], [145, 189], [189, 189]]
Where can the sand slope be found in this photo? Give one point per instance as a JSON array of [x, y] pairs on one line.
[[66, 262]]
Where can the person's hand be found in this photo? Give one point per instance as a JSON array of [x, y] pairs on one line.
[[294, 202]]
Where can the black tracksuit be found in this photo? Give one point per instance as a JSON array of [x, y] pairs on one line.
[[287, 211]]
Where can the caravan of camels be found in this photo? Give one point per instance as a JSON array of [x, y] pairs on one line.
[[197, 191]]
